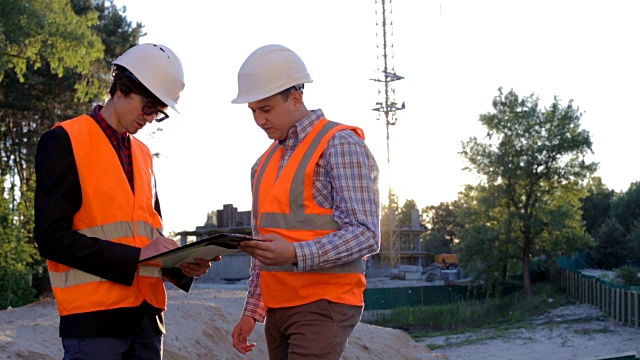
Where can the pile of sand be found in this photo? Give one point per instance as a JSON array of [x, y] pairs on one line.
[[199, 327]]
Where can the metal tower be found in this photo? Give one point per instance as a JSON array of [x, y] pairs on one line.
[[387, 107]]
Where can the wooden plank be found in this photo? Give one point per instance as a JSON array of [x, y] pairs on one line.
[[629, 308], [637, 317], [611, 303], [617, 305]]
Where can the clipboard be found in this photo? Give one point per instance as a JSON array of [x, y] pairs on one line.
[[207, 248]]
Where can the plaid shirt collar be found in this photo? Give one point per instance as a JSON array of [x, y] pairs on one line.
[[112, 134], [302, 128]]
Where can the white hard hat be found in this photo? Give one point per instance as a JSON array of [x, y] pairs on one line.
[[158, 68], [267, 71]]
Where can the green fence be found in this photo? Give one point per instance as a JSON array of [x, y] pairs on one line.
[[618, 302], [391, 298]]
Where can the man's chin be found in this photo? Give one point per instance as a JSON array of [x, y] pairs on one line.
[[273, 136]]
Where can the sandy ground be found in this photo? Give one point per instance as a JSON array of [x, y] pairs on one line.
[[201, 321], [199, 327], [568, 333]]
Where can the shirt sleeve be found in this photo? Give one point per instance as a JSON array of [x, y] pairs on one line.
[[58, 198], [346, 180], [254, 305]]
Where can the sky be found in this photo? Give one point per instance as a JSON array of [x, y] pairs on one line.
[[453, 55]]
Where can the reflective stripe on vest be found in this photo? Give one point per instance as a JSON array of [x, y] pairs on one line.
[[78, 277], [117, 229], [356, 266], [111, 231]]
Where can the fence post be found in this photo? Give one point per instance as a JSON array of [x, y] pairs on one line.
[[581, 289], [569, 287], [629, 311], [623, 312], [609, 302], [617, 304], [637, 317]]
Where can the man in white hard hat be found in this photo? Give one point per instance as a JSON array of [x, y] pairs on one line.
[[316, 205], [97, 214]]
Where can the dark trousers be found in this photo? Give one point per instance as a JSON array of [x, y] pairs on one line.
[[145, 344], [318, 330]]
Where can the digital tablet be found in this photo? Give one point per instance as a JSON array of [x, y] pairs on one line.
[[207, 248]]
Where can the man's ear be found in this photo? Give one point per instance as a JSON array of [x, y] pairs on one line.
[[296, 97]]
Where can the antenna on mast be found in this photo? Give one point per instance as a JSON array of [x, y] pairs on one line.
[[386, 108]]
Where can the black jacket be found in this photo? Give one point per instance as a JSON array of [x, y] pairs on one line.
[[58, 198]]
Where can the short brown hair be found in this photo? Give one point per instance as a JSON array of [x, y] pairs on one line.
[[124, 81], [286, 92]]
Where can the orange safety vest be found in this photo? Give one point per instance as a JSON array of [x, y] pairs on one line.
[[285, 206], [111, 212]]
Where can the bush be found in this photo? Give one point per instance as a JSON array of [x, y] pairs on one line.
[[629, 275], [474, 314], [15, 288]]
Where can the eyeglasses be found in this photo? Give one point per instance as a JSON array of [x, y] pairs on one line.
[[149, 108]]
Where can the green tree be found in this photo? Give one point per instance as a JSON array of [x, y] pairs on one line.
[[610, 251], [485, 250], [442, 222], [562, 226], [34, 33], [15, 257], [437, 243], [533, 158], [633, 243], [59, 73], [406, 214], [625, 207], [596, 206]]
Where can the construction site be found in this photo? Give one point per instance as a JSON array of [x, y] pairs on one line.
[[403, 258]]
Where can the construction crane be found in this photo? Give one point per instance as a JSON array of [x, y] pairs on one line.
[[386, 108]]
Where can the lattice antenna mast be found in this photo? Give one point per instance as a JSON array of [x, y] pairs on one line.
[[387, 106]]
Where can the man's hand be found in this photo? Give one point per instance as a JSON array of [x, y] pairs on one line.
[[197, 268], [241, 332], [272, 251], [158, 245]]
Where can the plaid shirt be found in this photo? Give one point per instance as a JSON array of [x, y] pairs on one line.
[[120, 142], [345, 180]]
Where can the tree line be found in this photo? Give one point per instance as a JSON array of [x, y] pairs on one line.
[[537, 199]]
